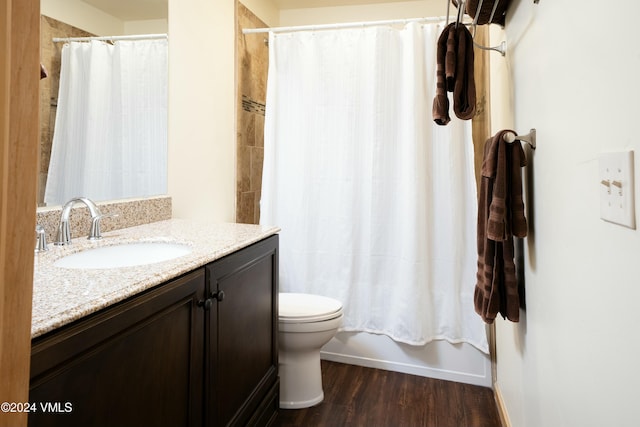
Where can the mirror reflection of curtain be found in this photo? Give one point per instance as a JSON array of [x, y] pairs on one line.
[[110, 137], [376, 203]]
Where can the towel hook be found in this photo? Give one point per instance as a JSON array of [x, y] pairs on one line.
[[529, 138], [501, 48], [460, 14]]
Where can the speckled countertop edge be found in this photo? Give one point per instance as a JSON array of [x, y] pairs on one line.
[[61, 295]]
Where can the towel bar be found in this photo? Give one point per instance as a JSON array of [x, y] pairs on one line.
[[529, 138]]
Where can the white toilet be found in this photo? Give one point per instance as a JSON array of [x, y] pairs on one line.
[[307, 322]]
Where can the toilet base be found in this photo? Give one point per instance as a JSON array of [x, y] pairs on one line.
[[300, 380], [300, 338], [302, 404]]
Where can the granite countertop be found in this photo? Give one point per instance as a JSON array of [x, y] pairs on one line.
[[62, 295]]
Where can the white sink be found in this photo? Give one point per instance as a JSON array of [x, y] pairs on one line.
[[124, 255]]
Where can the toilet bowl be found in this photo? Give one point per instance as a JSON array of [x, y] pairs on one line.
[[306, 323]]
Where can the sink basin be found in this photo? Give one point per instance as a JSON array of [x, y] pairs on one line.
[[124, 255]]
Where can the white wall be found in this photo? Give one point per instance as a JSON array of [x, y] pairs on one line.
[[82, 15], [147, 26], [368, 12], [266, 10], [86, 17], [439, 359], [202, 109], [572, 71]]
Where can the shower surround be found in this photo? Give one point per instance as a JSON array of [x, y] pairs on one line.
[[252, 55], [439, 359]]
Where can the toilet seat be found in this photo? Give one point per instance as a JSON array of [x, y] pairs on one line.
[[306, 308]]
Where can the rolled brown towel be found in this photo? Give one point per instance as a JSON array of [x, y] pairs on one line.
[[440, 110], [455, 74], [464, 90], [451, 58]]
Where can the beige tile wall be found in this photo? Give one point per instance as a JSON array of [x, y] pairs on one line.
[[253, 62]]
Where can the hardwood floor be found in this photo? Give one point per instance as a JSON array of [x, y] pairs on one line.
[[365, 397]]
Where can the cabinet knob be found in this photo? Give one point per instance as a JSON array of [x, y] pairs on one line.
[[206, 304], [219, 295]]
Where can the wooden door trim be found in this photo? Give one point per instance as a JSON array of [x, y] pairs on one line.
[[19, 77]]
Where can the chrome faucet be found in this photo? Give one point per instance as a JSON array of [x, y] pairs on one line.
[[64, 232], [41, 239]]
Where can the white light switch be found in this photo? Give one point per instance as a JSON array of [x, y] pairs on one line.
[[616, 180]]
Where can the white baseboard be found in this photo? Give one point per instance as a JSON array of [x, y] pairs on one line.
[[439, 359]]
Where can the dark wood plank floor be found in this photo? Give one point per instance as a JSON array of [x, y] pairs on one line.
[[365, 397]]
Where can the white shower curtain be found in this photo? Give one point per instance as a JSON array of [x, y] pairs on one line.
[[110, 137], [377, 205]]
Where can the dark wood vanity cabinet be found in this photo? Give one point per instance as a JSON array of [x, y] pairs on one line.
[[243, 341], [200, 350], [137, 363]]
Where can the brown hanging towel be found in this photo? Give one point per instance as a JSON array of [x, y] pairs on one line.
[[500, 218], [440, 110], [454, 73], [464, 90]]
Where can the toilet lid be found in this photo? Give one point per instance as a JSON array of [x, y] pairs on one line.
[[303, 308]]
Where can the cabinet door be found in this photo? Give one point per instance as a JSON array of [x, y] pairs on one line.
[[244, 351], [139, 363]]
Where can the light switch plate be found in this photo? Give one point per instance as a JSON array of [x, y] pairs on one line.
[[616, 181]]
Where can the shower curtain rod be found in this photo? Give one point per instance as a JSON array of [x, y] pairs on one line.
[[345, 25], [501, 48], [110, 38]]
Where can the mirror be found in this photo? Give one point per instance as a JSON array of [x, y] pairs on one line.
[[84, 18]]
